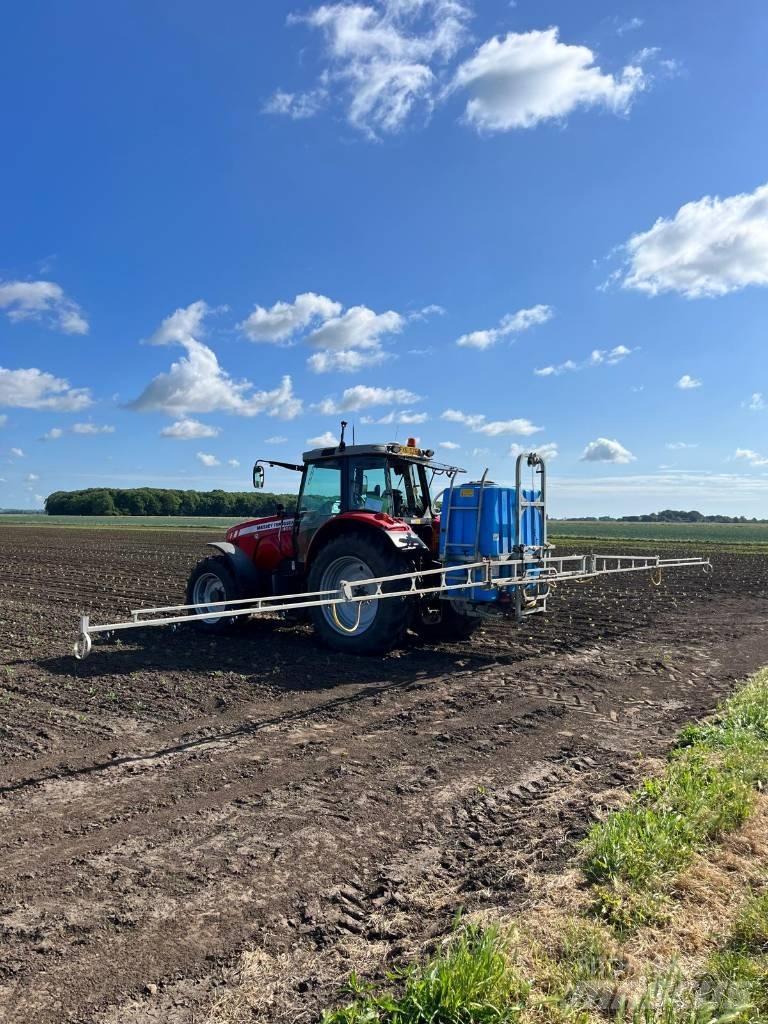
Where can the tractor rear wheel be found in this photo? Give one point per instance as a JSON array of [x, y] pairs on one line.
[[212, 581], [359, 627], [453, 626]]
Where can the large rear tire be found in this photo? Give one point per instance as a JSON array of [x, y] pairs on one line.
[[453, 626], [359, 627], [213, 580]]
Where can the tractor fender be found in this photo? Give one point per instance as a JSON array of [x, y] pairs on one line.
[[246, 573], [402, 539]]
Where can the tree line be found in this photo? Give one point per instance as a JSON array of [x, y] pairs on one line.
[[158, 501], [671, 515]]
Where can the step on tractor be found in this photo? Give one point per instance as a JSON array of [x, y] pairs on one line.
[[383, 539]]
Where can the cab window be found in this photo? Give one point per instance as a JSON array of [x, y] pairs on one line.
[[322, 489], [369, 485]]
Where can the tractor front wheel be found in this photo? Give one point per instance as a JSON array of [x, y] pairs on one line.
[[210, 582], [359, 627]]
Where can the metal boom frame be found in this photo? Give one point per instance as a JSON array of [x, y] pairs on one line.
[[531, 578]]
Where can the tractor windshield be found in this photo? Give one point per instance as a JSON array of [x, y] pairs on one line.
[[410, 493]]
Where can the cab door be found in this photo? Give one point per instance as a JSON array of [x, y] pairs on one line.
[[319, 500]]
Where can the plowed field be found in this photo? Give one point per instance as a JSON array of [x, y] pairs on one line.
[[174, 800]]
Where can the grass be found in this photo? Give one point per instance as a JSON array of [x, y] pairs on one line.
[[704, 961], [124, 522], [708, 788], [693, 533]]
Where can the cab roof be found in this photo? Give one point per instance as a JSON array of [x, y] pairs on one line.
[[421, 456]]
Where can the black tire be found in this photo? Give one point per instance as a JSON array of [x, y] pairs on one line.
[[388, 618], [206, 569], [453, 626]]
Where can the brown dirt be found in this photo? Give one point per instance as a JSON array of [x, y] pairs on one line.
[[174, 800]]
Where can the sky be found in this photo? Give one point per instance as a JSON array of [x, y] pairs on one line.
[[492, 226]]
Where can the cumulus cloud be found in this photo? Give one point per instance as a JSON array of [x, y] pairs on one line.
[[406, 417], [53, 434], [756, 403], [326, 440], [598, 357], [233, 462], [197, 383], [512, 323], [678, 446], [545, 451], [17, 453], [480, 425], [710, 247], [346, 340], [450, 446], [382, 59], [605, 450], [31, 478], [44, 301], [362, 396], [752, 457], [688, 383], [36, 389], [207, 459], [189, 430], [281, 322], [524, 78]]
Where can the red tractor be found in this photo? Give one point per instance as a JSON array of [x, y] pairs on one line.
[[363, 512]]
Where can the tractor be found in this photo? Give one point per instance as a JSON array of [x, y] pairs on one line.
[[367, 554], [364, 511]]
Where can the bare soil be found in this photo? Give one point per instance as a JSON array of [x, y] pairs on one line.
[[174, 799]]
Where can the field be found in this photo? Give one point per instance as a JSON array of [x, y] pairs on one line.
[[122, 522], [175, 800], [695, 533]]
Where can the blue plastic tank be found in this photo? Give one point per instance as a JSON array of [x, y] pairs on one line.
[[498, 534]]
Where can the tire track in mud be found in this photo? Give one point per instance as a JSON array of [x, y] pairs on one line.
[[192, 854]]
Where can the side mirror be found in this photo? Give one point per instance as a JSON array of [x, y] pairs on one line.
[[258, 476]]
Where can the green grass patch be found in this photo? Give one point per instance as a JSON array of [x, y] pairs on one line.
[[694, 533], [707, 789]]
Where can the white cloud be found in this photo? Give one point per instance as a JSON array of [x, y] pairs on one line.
[[480, 425], [42, 300], [326, 440], [358, 327], [710, 247], [752, 457], [189, 430], [629, 25], [345, 362], [296, 105], [31, 478], [282, 321], [53, 434], [512, 323], [36, 389], [275, 440], [196, 382], [756, 403], [545, 451], [383, 58], [92, 428], [233, 462], [450, 446], [17, 452], [406, 417], [521, 79], [208, 460], [362, 396], [598, 357], [605, 450], [688, 383], [677, 446]]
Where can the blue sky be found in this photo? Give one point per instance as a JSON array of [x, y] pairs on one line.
[[495, 226]]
